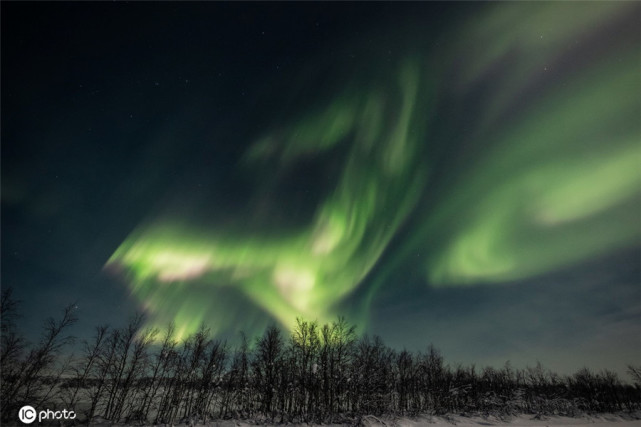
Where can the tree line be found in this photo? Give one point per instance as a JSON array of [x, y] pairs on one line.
[[317, 373]]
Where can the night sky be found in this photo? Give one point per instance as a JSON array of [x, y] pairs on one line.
[[460, 174]]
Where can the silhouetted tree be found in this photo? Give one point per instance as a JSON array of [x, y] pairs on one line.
[[266, 368], [84, 368], [322, 373]]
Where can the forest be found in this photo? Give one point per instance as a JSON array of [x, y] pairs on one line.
[[317, 373]]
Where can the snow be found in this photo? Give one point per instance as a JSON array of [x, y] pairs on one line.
[[601, 420]]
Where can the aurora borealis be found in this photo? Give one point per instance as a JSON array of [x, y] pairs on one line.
[[476, 156], [303, 272]]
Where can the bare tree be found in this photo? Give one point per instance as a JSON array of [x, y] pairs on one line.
[[159, 371], [322, 373], [28, 384], [211, 379], [118, 370], [266, 366], [83, 370], [12, 346], [635, 373], [103, 365], [136, 366]]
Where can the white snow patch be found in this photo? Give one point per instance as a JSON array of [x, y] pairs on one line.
[[601, 420]]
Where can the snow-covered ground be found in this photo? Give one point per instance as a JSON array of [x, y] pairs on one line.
[[601, 420]]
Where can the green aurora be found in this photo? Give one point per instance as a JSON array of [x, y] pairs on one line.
[[539, 186]]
